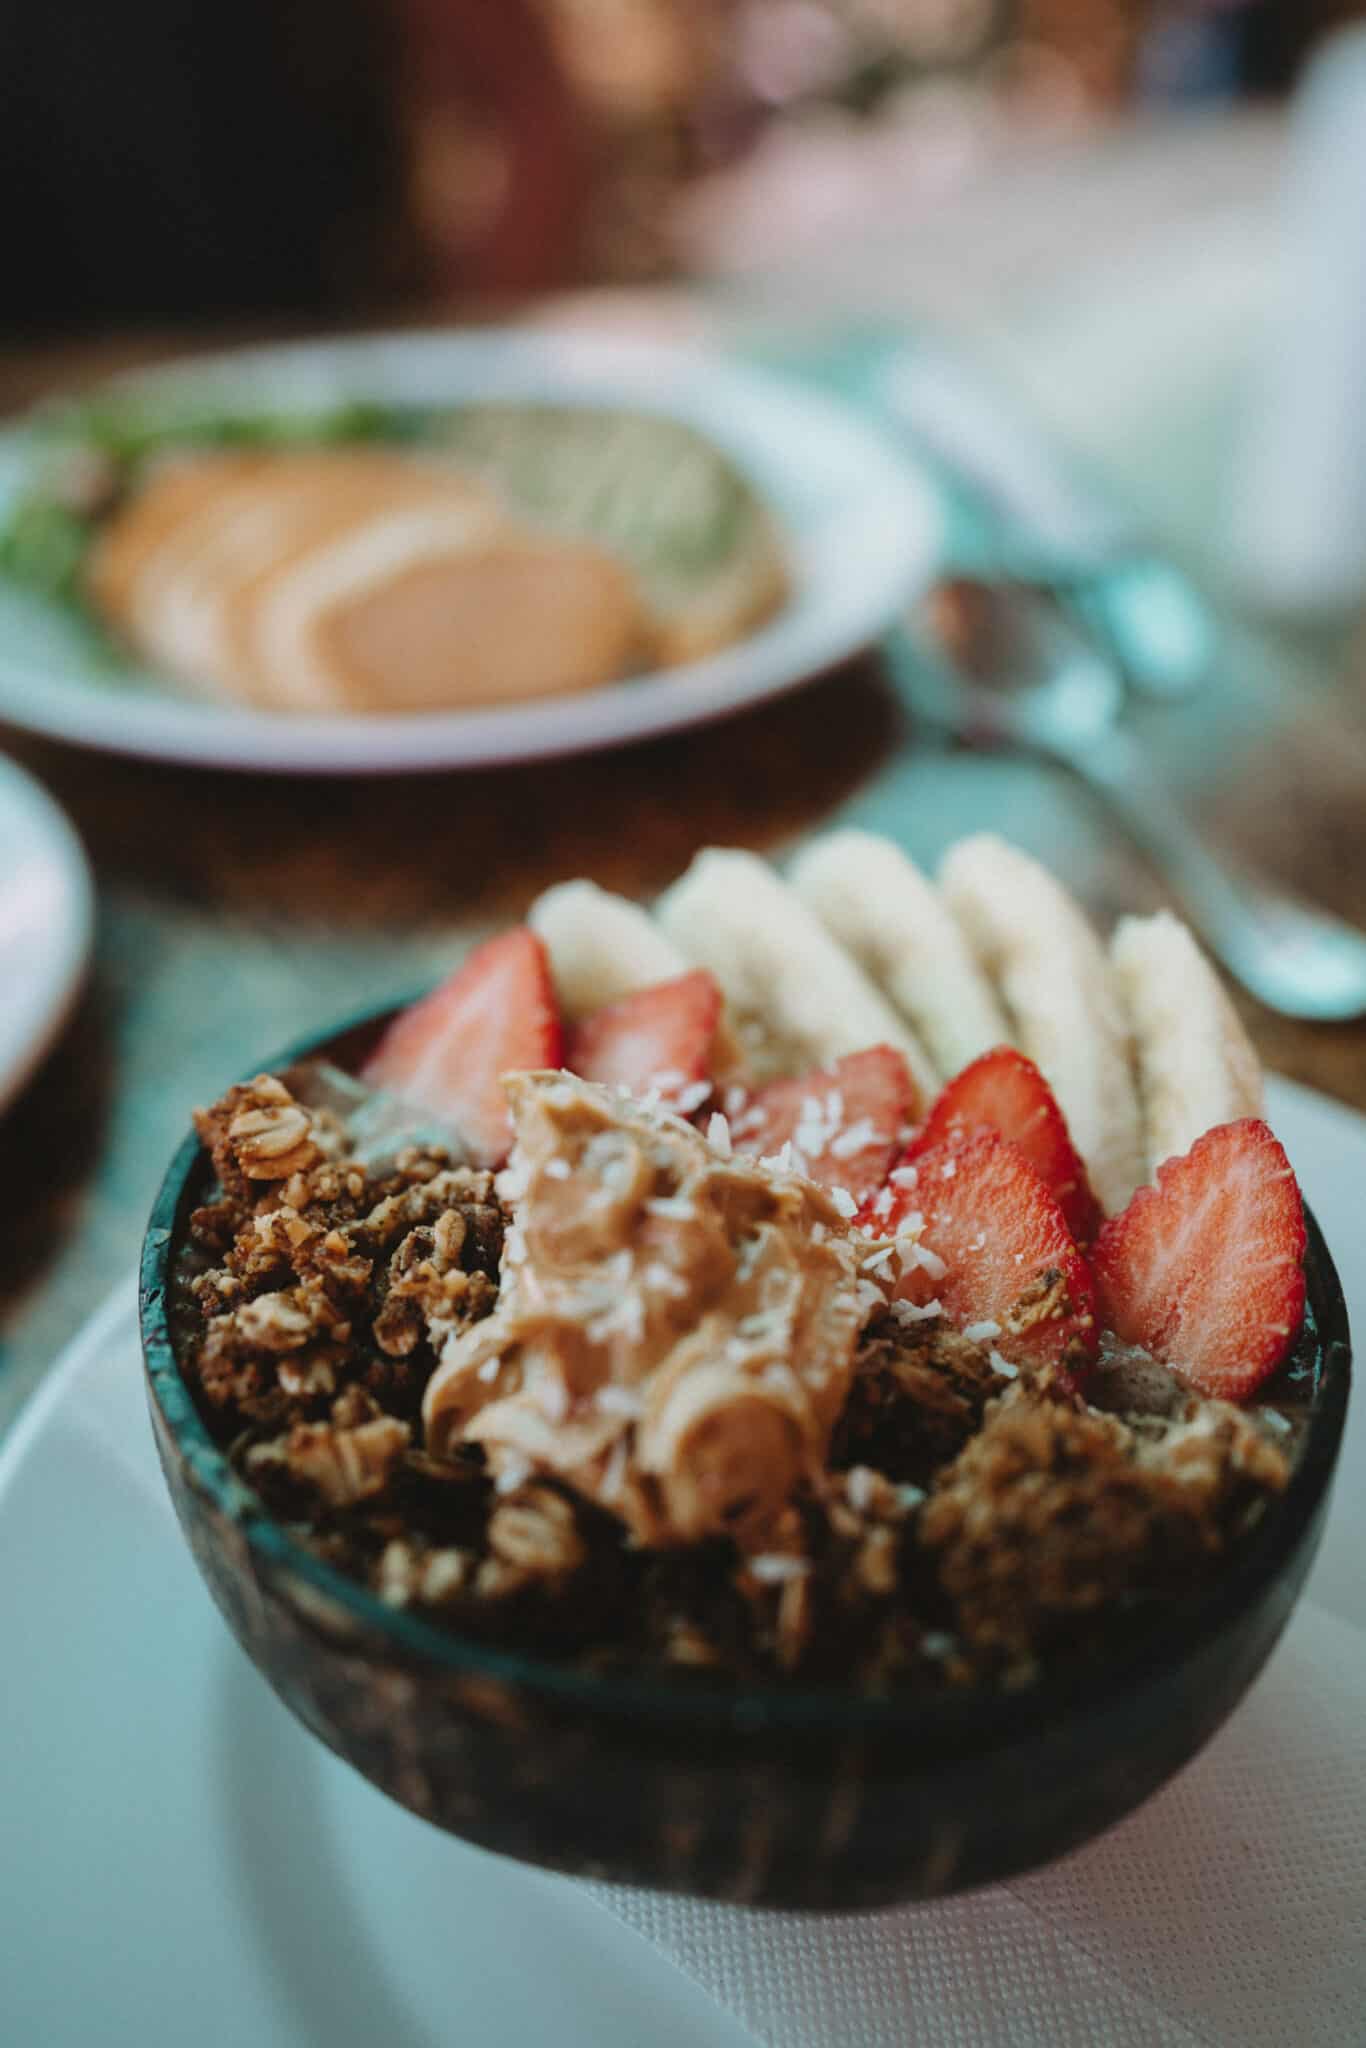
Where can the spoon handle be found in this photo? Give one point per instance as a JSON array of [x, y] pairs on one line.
[[1296, 959]]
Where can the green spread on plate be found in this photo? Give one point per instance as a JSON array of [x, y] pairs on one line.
[[652, 490]]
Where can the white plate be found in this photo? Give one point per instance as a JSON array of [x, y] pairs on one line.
[[45, 924], [861, 532], [180, 1862]]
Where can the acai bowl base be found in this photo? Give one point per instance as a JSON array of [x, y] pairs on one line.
[[787, 1796]]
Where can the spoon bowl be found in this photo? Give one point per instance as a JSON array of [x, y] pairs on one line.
[[1019, 675]]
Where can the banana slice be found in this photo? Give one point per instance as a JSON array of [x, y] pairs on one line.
[[1051, 972], [882, 910], [1196, 1066], [795, 996], [601, 946]]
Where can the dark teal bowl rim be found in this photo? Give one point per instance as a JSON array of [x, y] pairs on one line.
[[944, 1724]]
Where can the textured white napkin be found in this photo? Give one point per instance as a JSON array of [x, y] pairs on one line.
[[1231, 1909]]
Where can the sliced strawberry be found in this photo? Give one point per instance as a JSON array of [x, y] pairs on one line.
[[495, 1015], [1003, 1091], [844, 1122], [1000, 1252], [1206, 1270], [659, 1037]]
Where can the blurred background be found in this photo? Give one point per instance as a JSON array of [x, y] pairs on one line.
[[175, 161]]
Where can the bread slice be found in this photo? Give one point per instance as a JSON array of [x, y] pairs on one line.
[[437, 607], [185, 603], [163, 516], [872, 898]]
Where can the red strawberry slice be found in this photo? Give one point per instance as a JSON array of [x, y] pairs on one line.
[[495, 1015], [1000, 1253], [1003, 1091], [1206, 1270], [844, 1121], [659, 1037]]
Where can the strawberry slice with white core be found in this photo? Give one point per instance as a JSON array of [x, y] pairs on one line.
[[657, 1038], [843, 1123], [1205, 1270], [982, 1236], [1005, 1092], [449, 1052]]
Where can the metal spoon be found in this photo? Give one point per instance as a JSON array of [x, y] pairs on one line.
[[1021, 677]]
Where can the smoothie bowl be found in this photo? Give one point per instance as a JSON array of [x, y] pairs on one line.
[[822, 1396]]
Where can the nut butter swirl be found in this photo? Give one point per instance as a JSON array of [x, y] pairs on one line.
[[675, 1332]]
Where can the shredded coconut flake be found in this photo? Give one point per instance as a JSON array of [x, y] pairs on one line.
[[918, 1258], [789, 1160], [859, 1486], [671, 1205], [614, 1400], [904, 1176], [983, 1332], [693, 1096], [1003, 1365], [772, 1568], [844, 1201], [557, 1169], [718, 1134], [553, 1399], [912, 1312], [664, 1280], [857, 1138]]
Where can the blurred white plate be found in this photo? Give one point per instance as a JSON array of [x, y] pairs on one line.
[[860, 529], [45, 924]]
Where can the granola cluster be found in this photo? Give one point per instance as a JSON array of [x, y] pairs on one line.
[[964, 1524]]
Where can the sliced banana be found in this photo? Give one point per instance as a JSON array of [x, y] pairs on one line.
[[892, 919], [795, 995], [601, 946], [1050, 970], [1196, 1066]]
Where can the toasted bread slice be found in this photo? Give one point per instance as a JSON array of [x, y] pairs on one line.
[[1196, 1064], [436, 607], [191, 597], [795, 996], [159, 515], [1048, 967], [872, 898]]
